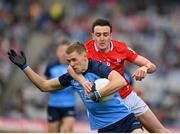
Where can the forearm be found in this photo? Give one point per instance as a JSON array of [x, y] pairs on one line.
[[145, 63], [117, 82], [37, 80]]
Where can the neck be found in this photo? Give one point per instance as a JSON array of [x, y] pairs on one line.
[[108, 48]]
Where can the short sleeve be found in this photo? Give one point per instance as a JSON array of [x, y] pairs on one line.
[[65, 80], [99, 68], [131, 54]]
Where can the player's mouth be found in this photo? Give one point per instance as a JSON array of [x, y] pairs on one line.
[[101, 43]]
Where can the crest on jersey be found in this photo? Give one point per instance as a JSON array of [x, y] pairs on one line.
[[118, 61]]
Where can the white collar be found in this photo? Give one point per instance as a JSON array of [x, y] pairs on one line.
[[111, 47]]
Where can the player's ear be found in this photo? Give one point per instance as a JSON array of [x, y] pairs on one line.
[[92, 34], [111, 36]]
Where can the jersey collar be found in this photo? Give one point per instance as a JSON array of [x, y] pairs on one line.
[[111, 47]]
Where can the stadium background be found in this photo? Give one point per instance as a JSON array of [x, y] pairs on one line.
[[151, 27]]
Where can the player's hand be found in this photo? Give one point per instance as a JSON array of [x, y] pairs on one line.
[[87, 86], [18, 59], [94, 94], [140, 73]]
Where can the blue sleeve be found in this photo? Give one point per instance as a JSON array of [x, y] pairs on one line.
[[65, 80], [99, 68]]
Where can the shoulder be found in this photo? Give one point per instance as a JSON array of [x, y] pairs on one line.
[[99, 68], [94, 63], [119, 44], [89, 44]]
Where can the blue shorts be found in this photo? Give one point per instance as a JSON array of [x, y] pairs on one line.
[[57, 113], [126, 125]]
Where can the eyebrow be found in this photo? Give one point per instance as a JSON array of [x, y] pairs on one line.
[[101, 33]]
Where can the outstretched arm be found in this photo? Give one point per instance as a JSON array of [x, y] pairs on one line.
[[146, 66], [37, 80], [41, 83]]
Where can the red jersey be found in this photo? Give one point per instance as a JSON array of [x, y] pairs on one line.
[[115, 58]]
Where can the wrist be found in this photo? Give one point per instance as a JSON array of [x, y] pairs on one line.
[[84, 82], [145, 68], [97, 95], [24, 66]]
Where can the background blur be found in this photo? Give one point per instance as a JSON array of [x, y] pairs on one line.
[[150, 27]]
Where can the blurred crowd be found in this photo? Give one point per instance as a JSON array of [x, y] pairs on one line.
[[150, 27]]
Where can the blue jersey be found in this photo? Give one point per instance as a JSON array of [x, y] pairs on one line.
[[60, 98], [101, 114]]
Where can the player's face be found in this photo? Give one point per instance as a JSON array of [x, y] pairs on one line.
[[60, 53], [78, 62], [102, 36]]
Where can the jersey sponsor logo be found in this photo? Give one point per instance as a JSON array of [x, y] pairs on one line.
[[108, 64], [76, 84], [118, 61], [136, 123]]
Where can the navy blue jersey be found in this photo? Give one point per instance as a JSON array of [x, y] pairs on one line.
[[101, 114], [56, 98]]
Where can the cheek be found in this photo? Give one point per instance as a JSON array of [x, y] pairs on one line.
[[96, 40], [108, 38]]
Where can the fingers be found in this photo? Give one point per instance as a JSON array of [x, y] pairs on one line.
[[139, 75], [11, 58], [22, 53], [87, 86], [12, 52]]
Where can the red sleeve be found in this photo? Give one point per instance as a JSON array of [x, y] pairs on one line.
[[131, 54]]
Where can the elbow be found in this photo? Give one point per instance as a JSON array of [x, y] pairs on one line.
[[154, 67], [151, 68], [124, 83], [44, 87], [43, 90]]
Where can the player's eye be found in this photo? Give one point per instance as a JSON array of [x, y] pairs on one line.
[[98, 34], [106, 34], [68, 61]]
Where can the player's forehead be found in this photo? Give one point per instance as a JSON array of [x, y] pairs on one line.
[[101, 29], [73, 55]]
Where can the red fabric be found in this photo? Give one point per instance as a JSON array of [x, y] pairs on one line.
[[115, 58]]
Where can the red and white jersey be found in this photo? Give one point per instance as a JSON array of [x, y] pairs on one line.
[[115, 58]]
